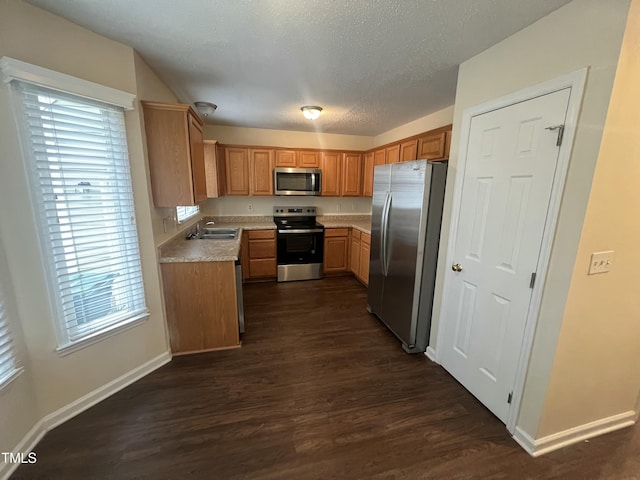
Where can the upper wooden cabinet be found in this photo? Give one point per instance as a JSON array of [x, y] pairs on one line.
[[351, 175], [409, 150], [371, 160], [298, 158], [435, 145], [176, 154], [331, 173], [261, 171], [392, 154], [237, 171], [214, 173]]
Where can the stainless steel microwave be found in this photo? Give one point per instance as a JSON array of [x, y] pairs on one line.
[[297, 181]]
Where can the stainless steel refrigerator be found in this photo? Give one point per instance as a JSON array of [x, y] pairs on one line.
[[405, 233]]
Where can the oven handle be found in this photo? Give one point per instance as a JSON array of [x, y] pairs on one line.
[[302, 230]]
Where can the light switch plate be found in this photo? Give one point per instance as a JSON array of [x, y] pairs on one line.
[[601, 262]]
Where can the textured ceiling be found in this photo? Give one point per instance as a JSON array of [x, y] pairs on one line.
[[371, 64]]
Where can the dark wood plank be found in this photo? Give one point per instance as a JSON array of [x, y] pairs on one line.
[[319, 390]]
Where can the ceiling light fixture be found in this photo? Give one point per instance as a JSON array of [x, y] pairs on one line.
[[205, 108], [311, 111]]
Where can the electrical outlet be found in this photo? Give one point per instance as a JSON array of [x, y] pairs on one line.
[[250, 207], [601, 262]]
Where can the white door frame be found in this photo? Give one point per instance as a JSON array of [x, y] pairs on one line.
[[576, 81]]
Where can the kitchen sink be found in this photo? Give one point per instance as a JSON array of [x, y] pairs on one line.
[[218, 233]]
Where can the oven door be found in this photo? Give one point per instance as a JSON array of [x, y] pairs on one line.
[[300, 246]]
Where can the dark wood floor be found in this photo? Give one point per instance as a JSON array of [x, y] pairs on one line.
[[319, 390]]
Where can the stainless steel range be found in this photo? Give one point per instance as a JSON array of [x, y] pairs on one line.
[[300, 243]]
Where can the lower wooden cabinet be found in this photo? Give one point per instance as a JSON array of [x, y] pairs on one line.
[[258, 255], [360, 253], [336, 250], [201, 304]]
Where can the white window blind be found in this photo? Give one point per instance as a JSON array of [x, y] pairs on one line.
[[184, 213], [8, 366], [83, 195]]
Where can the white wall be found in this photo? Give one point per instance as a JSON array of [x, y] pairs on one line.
[[239, 206], [35, 36], [424, 124], [584, 33]]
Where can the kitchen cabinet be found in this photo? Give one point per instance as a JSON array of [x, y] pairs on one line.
[[201, 306], [409, 150], [261, 171], [351, 175], [392, 154], [213, 172], [236, 161], [435, 145], [336, 250], [360, 253], [371, 160], [297, 158], [175, 148], [259, 255], [331, 173]]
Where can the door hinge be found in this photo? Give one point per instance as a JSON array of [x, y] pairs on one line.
[[510, 397], [560, 129], [532, 282]]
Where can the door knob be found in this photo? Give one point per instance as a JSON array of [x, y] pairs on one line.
[[456, 267]]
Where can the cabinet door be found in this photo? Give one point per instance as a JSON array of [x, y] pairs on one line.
[[367, 175], [286, 158], [409, 150], [196, 144], [308, 159], [211, 168], [365, 251], [237, 170], [355, 255], [392, 154], [331, 174], [432, 146], [261, 171], [352, 175], [336, 253]]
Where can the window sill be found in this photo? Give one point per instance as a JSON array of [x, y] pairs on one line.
[[4, 383], [71, 347]]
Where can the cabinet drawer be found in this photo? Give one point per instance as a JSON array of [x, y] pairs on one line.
[[355, 234], [262, 249], [336, 232], [366, 238], [262, 267], [261, 234]]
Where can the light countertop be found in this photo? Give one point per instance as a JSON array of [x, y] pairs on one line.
[[359, 222]]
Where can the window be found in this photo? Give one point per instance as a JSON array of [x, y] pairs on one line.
[[184, 213], [8, 366], [81, 184]]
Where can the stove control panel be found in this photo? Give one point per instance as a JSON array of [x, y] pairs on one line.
[[294, 211]]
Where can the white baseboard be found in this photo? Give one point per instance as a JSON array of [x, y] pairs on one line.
[[431, 354], [547, 444], [49, 422]]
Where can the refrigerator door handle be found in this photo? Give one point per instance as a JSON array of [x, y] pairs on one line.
[[385, 234]]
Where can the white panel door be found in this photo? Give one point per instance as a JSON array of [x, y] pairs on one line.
[[508, 177]]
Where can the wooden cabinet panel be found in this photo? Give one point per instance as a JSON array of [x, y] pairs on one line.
[[286, 158], [211, 169], [196, 144], [200, 317], [176, 154], [308, 159], [336, 232], [355, 253], [392, 154], [379, 157], [367, 175], [331, 173], [351, 175], [261, 171], [336, 254], [260, 260], [432, 146], [237, 170], [409, 150], [365, 252]]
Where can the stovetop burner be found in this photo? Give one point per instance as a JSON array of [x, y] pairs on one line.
[[289, 218]]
